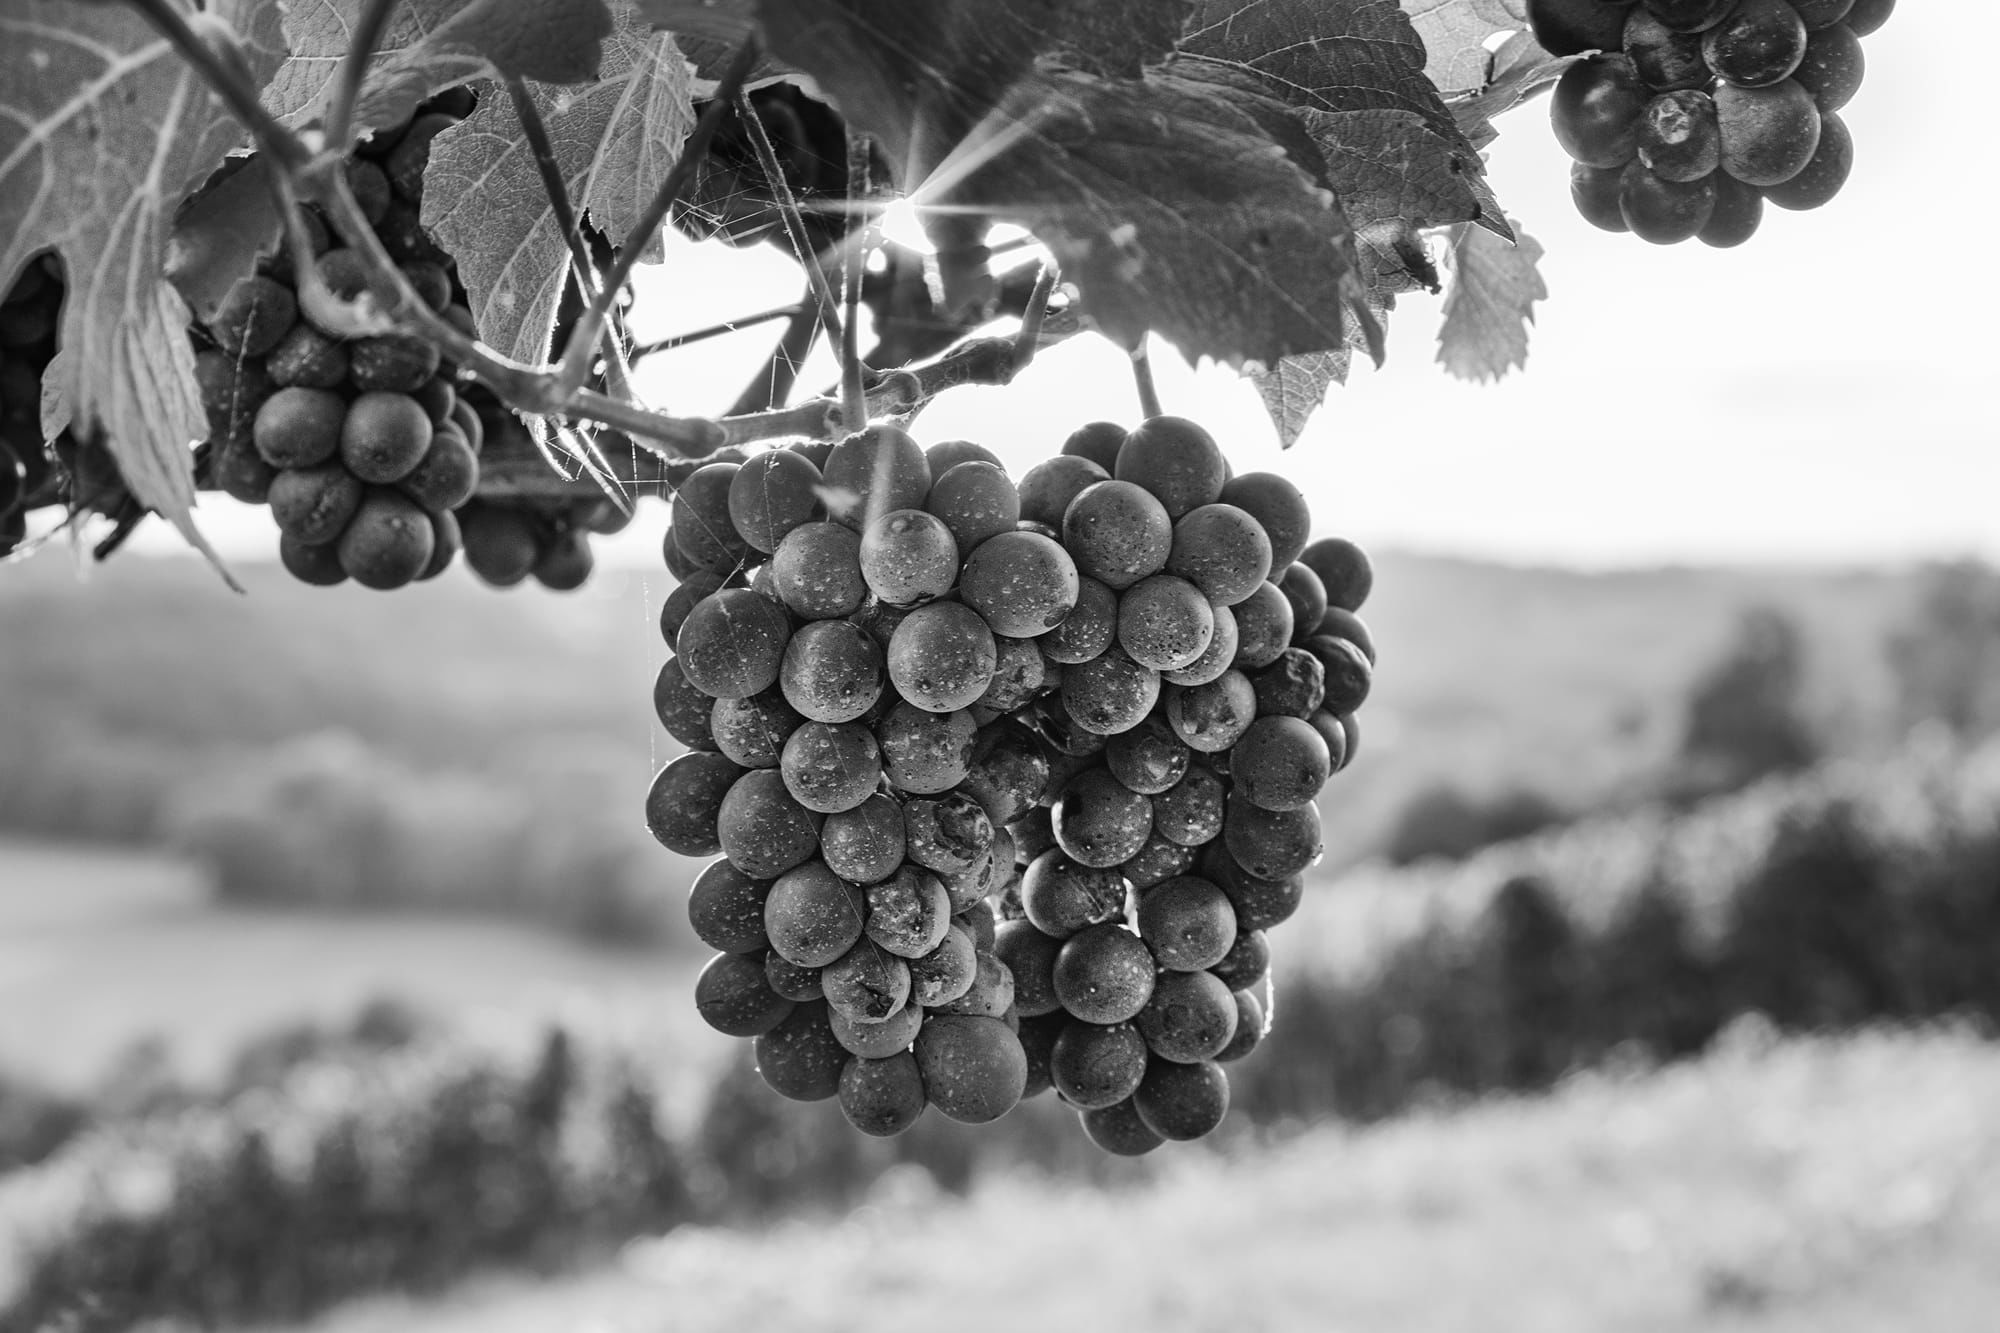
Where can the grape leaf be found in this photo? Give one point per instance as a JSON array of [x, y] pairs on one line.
[[1295, 388], [222, 232], [1518, 70], [104, 131], [1455, 33], [614, 141], [431, 45], [1494, 288]]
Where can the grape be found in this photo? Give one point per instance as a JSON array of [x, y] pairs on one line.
[[949, 834], [1690, 15], [1110, 694], [991, 994], [685, 799], [1344, 571], [973, 1068], [1182, 1101], [945, 455], [1292, 686], [1017, 674], [314, 505], [1678, 138], [1164, 622], [732, 643], [864, 844], [732, 997], [867, 984], [315, 565], [701, 522], [1030, 956], [384, 436], [1568, 27], [1149, 758], [817, 571], [882, 1097], [1216, 658], [1263, 625], [1158, 861], [924, 752], [1117, 533], [977, 921], [1094, 1066], [412, 153], [874, 471], [299, 428], [1279, 508], [1665, 59], [1119, 1130], [1281, 763], [1038, 1043], [1346, 671], [879, 618], [1595, 111], [1738, 210], [448, 474], [770, 495], [1768, 134], [1306, 595], [1176, 461], [908, 556], [1823, 176], [1191, 811], [254, 317], [1259, 903], [945, 973], [831, 766], [799, 1058], [1104, 974], [1249, 1028], [1088, 630], [681, 567], [726, 909], [1222, 550], [240, 471], [1340, 624], [908, 913], [396, 363], [975, 501], [877, 1041], [1188, 922], [687, 595], [1190, 1017], [446, 542], [565, 563], [1008, 773], [832, 671], [1048, 487], [788, 979], [942, 656], [1335, 737], [752, 731], [1213, 717], [430, 281], [1821, 13], [682, 709], [1759, 43], [1833, 68], [1868, 15], [1022, 583], [1099, 441], [1062, 896], [763, 830], [1270, 844], [1099, 821], [812, 915]]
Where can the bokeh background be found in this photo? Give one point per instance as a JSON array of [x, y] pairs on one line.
[[1648, 981]]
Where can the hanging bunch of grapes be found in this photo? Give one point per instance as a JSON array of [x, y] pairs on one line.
[[1098, 705], [1691, 114]]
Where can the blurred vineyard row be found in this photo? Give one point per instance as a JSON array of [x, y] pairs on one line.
[[397, 1156]]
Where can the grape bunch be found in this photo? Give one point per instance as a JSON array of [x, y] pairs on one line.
[[1692, 113], [1007, 781]]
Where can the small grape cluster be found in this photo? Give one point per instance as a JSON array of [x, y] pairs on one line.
[[29, 315], [1098, 704], [1693, 113]]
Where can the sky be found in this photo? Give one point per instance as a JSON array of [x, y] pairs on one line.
[[1823, 394]]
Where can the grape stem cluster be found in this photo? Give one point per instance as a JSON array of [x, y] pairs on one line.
[[307, 168]]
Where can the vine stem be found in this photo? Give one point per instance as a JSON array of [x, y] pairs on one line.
[[853, 393], [577, 354], [354, 70], [788, 210], [673, 340], [227, 81], [1028, 340], [1142, 376], [553, 185]]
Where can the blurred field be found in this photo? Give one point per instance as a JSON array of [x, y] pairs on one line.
[[1831, 1186], [101, 949]]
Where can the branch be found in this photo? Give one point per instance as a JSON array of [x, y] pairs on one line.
[[553, 185], [1028, 341], [673, 340], [773, 383], [354, 69], [853, 395], [581, 348], [788, 210]]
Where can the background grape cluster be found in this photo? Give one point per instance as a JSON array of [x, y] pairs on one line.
[[1693, 113], [1008, 781], [29, 315]]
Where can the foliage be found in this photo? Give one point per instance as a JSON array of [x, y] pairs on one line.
[[1440, 820], [1945, 655], [1745, 715]]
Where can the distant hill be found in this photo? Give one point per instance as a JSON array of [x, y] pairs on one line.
[[1490, 674]]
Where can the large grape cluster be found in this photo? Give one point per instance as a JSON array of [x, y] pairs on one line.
[[1691, 114], [1008, 782]]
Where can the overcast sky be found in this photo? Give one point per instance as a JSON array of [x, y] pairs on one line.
[[1823, 393]]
